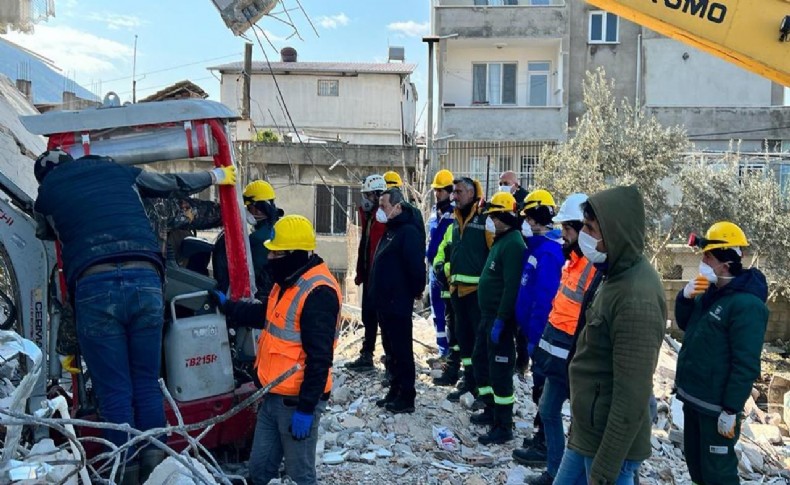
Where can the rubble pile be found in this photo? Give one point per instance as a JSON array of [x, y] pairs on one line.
[[362, 443]]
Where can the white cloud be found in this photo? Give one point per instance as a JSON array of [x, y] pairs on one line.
[[410, 28], [116, 21], [74, 50], [333, 21]]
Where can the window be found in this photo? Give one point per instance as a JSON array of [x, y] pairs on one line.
[[496, 2], [334, 204], [772, 145], [529, 164], [494, 83], [328, 87], [539, 73], [604, 28], [784, 179]]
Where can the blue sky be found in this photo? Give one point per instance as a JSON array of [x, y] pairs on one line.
[[92, 41]]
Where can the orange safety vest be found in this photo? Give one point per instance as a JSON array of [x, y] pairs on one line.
[[577, 274], [280, 343]]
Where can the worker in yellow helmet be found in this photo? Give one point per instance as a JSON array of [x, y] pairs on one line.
[[393, 179], [440, 220], [300, 322], [261, 214], [723, 314]]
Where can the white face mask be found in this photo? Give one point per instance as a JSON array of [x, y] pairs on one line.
[[588, 246], [381, 216], [526, 229], [251, 218], [505, 188], [490, 226], [707, 272]]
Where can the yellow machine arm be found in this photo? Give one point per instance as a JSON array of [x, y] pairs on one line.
[[745, 32]]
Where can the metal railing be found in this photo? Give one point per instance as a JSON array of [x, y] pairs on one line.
[[499, 3]]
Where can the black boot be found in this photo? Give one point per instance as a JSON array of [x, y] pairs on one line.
[[486, 418], [404, 403], [449, 377], [497, 435], [150, 458], [460, 390], [362, 364], [543, 479], [390, 397], [534, 456]]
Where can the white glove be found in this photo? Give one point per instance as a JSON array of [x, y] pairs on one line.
[[695, 287], [726, 424]]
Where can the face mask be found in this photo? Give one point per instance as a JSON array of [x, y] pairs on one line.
[[504, 188], [526, 229], [707, 272], [490, 226], [381, 216], [251, 218], [588, 244]]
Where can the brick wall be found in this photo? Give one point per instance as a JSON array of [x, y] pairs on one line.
[[778, 318]]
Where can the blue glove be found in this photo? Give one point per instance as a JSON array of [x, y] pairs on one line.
[[496, 330], [301, 424], [218, 298]]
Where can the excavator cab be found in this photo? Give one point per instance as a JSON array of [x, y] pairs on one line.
[[205, 367]]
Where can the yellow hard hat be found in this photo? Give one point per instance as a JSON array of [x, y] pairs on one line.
[[724, 234], [442, 179], [292, 233], [501, 202], [392, 179], [537, 198], [258, 191]]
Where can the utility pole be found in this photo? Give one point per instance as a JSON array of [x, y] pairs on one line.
[[134, 72], [430, 40], [245, 87]]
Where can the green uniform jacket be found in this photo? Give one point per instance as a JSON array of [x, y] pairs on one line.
[[611, 375], [470, 247], [499, 282], [720, 357]]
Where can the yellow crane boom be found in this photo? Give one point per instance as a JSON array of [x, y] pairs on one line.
[[754, 34]]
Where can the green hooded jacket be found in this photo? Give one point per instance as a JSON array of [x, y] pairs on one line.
[[611, 375]]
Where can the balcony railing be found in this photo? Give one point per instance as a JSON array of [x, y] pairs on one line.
[[499, 3]]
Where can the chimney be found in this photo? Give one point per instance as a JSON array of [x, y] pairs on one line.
[[288, 54], [26, 88]]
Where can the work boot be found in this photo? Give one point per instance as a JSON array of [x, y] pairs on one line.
[[401, 405], [150, 458], [486, 418], [543, 479], [131, 474], [449, 377], [363, 364], [498, 435], [534, 456], [460, 390], [391, 395]]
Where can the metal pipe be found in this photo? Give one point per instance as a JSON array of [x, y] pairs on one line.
[[638, 97], [429, 130]]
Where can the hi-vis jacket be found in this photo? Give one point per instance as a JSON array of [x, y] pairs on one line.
[[557, 339]]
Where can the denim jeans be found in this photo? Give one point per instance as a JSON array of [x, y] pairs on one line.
[[550, 408], [119, 326], [273, 442], [575, 469]]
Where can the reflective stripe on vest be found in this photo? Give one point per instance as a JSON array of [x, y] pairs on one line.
[[684, 396], [280, 343], [554, 350]]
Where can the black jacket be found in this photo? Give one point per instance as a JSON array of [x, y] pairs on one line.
[[319, 319], [397, 276]]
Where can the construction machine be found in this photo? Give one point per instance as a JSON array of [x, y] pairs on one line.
[[754, 35], [206, 367]]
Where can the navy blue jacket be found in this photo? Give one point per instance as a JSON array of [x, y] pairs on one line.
[[437, 226], [93, 206], [397, 276]]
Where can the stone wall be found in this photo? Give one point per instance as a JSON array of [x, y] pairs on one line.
[[778, 319]]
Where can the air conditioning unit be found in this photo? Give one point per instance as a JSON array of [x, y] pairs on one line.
[[240, 15]]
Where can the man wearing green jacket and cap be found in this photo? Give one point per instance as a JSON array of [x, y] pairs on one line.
[[611, 374]]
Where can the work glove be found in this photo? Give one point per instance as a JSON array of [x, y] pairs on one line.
[[224, 175], [301, 423], [695, 287], [218, 299], [496, 330], [727, 423], [69, 364]]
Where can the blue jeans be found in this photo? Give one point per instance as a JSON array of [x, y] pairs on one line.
[[273, 442], [119, 326], [550, 408], [437, 312], [575, 470]]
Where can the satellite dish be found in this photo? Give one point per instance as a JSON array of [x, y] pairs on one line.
[[240, 15]]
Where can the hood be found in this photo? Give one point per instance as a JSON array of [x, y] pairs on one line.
[[621, 215], [750, 281]]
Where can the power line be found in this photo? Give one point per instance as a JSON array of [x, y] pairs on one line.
[[754, 130], [172, 68]]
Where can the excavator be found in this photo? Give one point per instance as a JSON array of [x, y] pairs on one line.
[[752, 35]]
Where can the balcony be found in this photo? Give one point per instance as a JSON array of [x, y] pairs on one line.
[[504, 122], [501, 18]]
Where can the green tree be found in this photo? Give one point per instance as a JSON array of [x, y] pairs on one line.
[[266, 136]]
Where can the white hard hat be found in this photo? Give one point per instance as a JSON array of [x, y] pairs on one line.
[[374, 183], [571, 209]]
